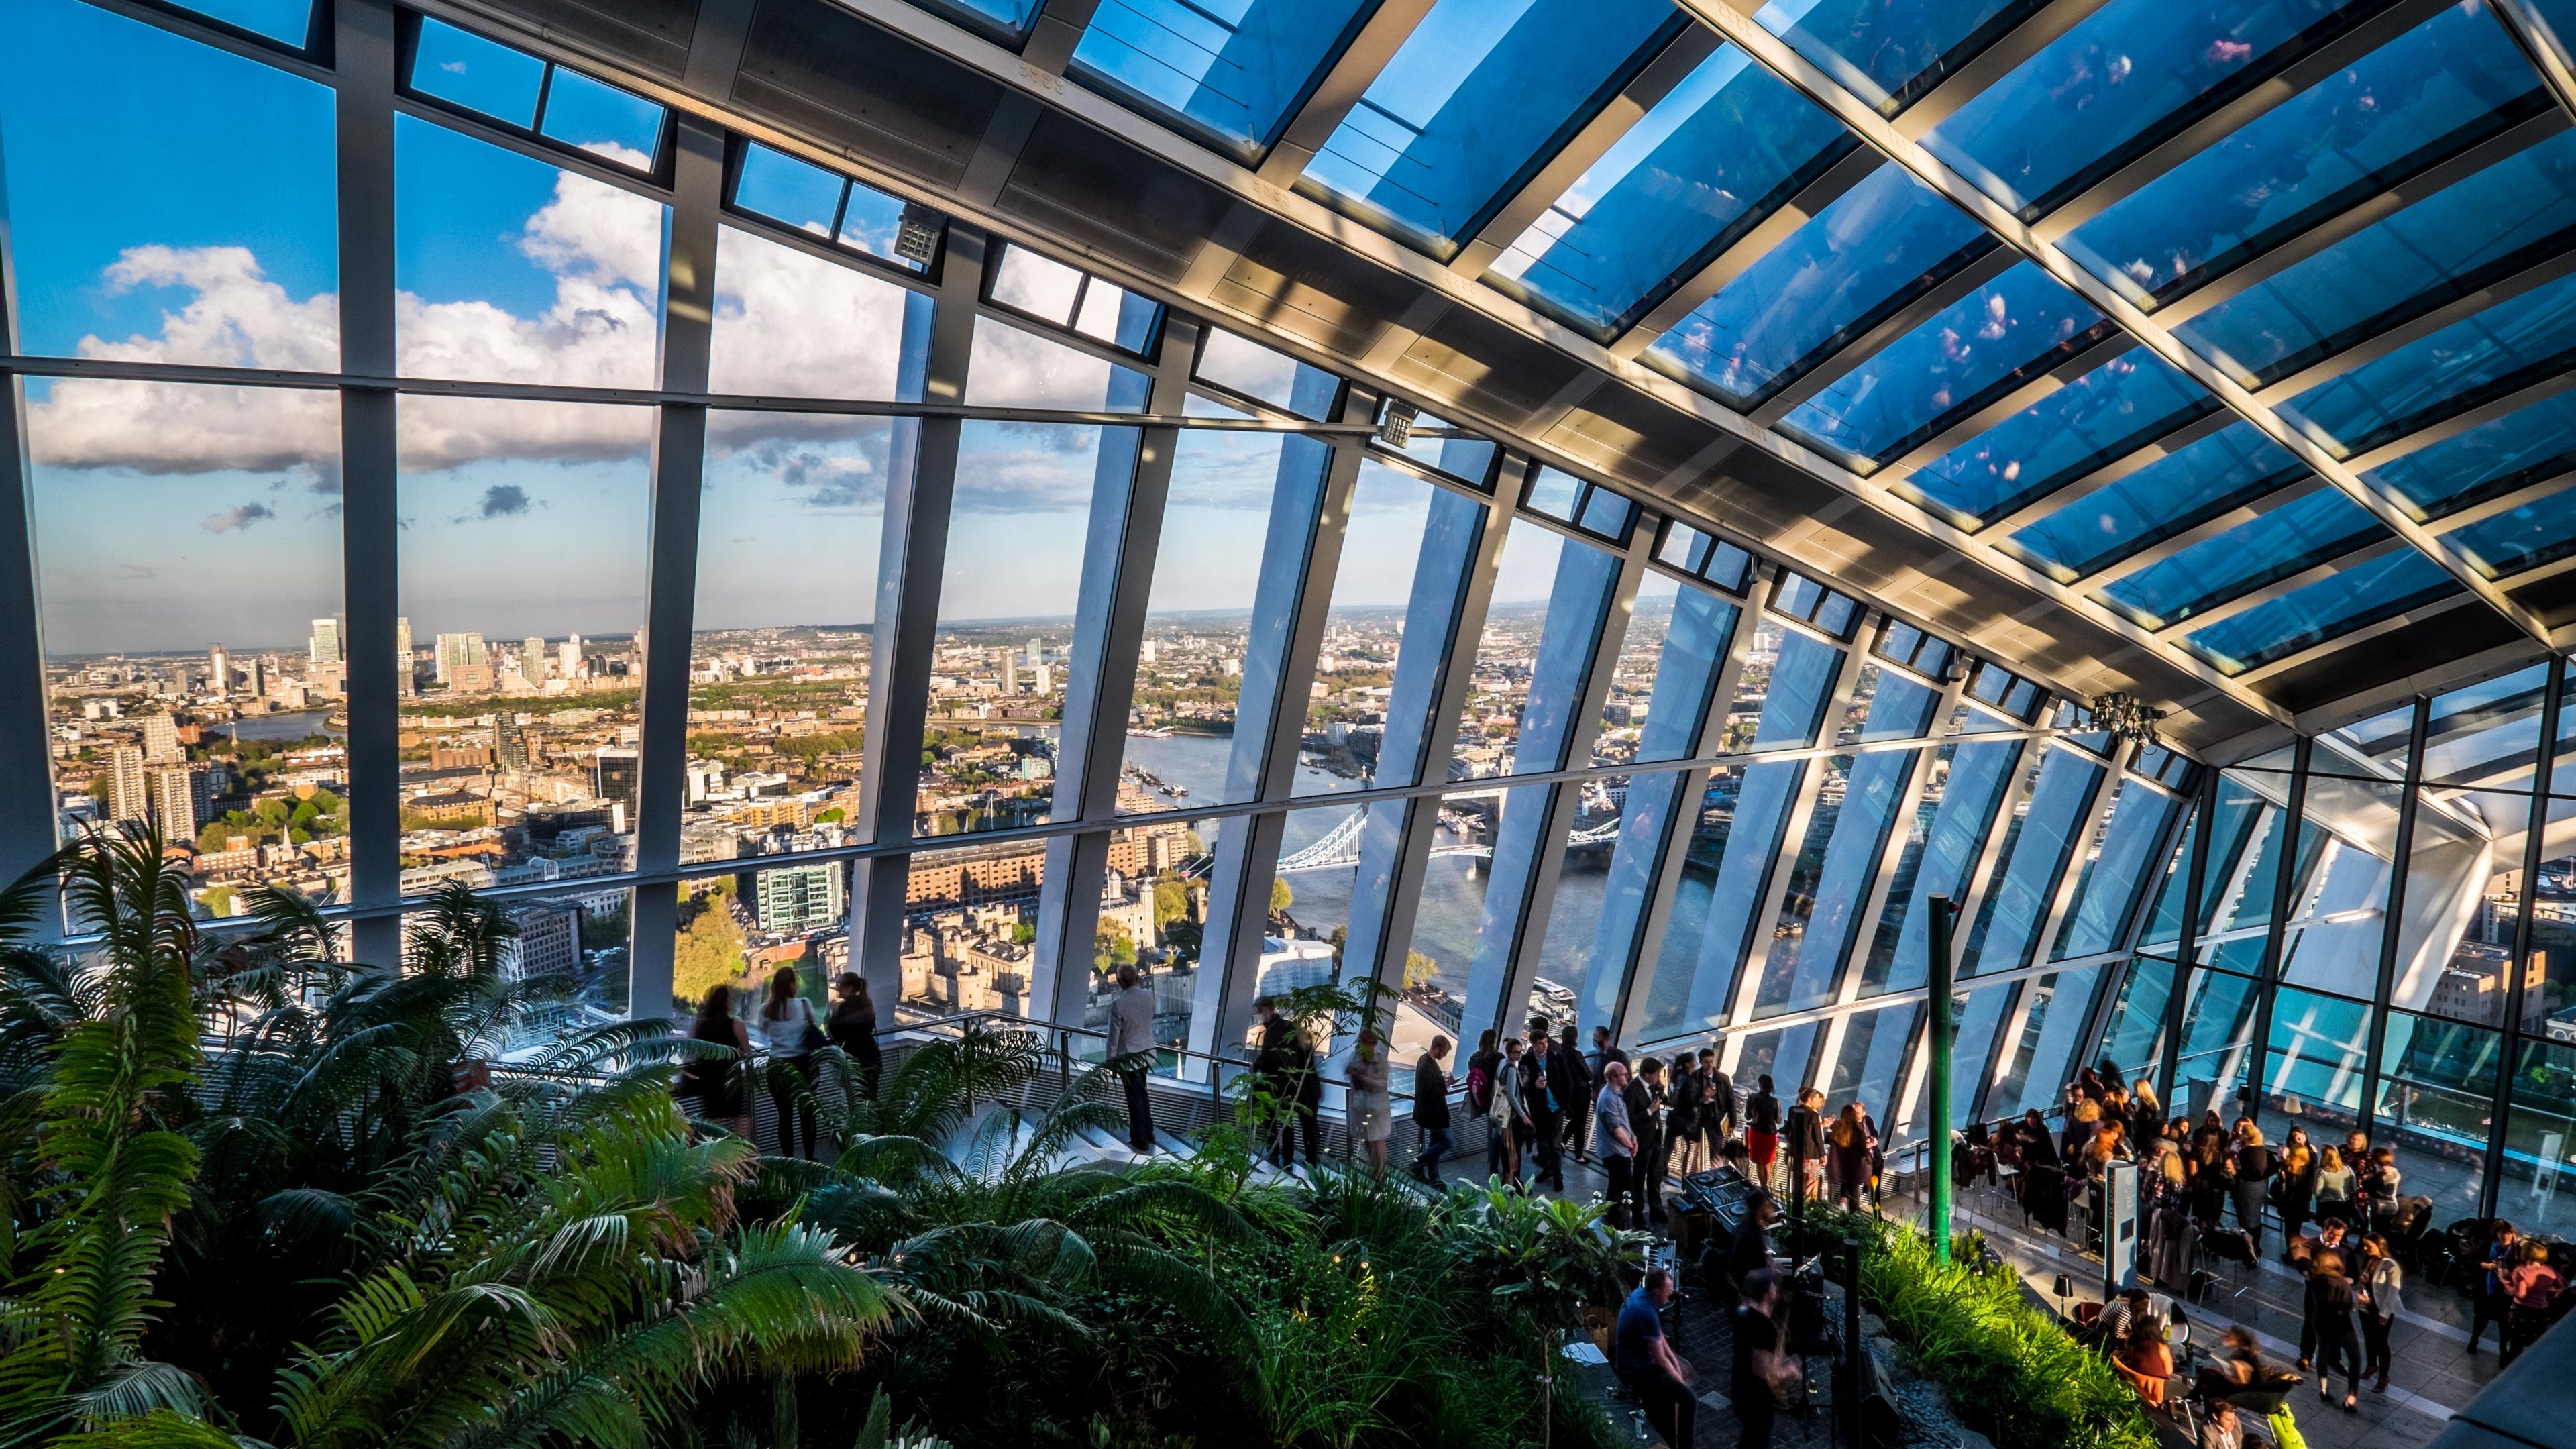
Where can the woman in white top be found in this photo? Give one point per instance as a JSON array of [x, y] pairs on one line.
[[2334, 1186], [787, 1028], [1372, 1109], [2378, 1287]]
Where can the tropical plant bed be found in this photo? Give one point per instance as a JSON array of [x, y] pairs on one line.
[[2009, 1370]]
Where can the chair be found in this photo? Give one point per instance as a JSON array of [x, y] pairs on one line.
[[2234, 1246]]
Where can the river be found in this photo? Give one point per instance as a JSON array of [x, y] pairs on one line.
[[293, 724], [1453, 891]]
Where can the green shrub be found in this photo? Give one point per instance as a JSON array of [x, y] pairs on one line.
[[2013, 1373]]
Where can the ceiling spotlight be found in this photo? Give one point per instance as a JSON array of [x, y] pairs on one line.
[[2125, 717], [1395, 424]]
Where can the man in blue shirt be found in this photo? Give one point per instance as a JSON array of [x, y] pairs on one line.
[[1645, 1362]]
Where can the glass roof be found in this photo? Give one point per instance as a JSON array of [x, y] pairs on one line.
[[2514, 212], [2436, 90], [2015, 326], [2486, 461], [1477, 98], [2521, 538], [2456, 368], [1714, 157], [1887, 52], [1231, 70], [2107, 413], [1880, 244], [2116, 84], [2356, 598], [2295, 536], [2229, 467]]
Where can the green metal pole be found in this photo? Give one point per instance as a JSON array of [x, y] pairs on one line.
[[1939, 1040]]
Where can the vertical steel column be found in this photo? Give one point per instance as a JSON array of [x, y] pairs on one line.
[[2187, 941], [1940, 1036], [1109, 626], [2285, 889], [2534, 852], [363, 53], [679, 483], [2392, 923], [27, 815], [1301, 555], [921, 480]]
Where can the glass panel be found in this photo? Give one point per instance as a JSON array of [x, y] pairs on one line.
[[1979, 1015], [2217, 1029], [740, 931], [1714, 157], [2484, 734], [135, 225], [2540, 1137], [1830, 884], [2340, 921], [2040, 1063], [1391, 539], [603, 120], [787, 191], [790, 324], [2035, 851], [2521, 538], [2455, 369], [283, 20], [2134, 71], [512, 270], [1942, 845], [2436, 1107], [2320, 1045], [2115, 877], [778, 667], [2238, 811], [1781, 981], [1232, 72], [2176, 492], [2133, 1042], [1026, 493], [176, 589], [2289, 539], [1254, 371], [2107, 413], [970, 927], [2485, 461], [1867, 1068], [2442, 247], [478, 74], [1008, 17], [1877, 246], [1476, 98], [1733, 845], [1450, 932], [1153, 913], [1077, 301], [1795, 685], [2007, 332], [2353, 599], [1889, 54], [1549, 601], [1012, 368], [540, 532], [1574, 938], [1211, 623], [1310, 920], [2435, 91]]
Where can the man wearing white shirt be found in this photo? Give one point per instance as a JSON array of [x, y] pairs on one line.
[[1131, 1032]]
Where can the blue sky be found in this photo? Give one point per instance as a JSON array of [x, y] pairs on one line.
[[168, 201]]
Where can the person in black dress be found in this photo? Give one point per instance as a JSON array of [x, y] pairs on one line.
[[852, 1027], [717, 1082]]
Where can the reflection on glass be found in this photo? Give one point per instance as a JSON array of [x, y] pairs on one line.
[[2175, 493], [778, 667], [1987, 343], [2464, 364], [2485, 461], [1572, 947], [2115, 876], [2041, 1057], [2426, 96], [1474, 99], [1942, 845], [2217, 1029], [2290, 538], [524, 546], [739, 931], [1407, 545], [2133, 1040], [2131, 72], [2028, 865], [1876, 247], [1007, 603], [1232, 72], [2540, 1138], [1888, 54], [2330, 608], [2436, 1105], [189, 593], [1456, 943], [1873, 1053], [1719, 153], [2525, 537], [2107, 413], [2313, 1072]]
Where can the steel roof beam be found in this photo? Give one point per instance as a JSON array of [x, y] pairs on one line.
[[2356, 638], [1866, 122], [1854, 168], [2075, 490], [2526, 29], [1824, 371], [2415, 329], [2208, 528], [1349, 77], [2371, 551], [2030, 394], [2503, 503], [1999, 59]]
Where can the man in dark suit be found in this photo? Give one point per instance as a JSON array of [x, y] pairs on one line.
[[1551, 1088]]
